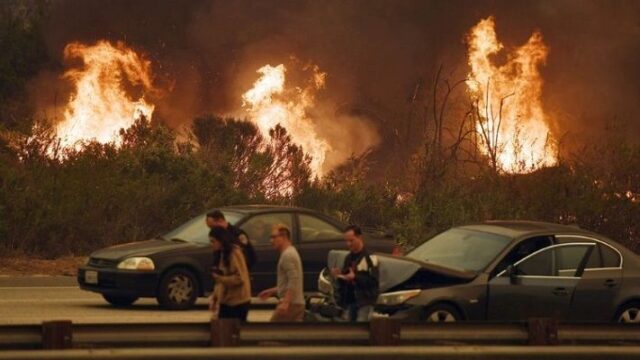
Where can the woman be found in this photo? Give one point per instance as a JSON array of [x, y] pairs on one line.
[[232, 292]]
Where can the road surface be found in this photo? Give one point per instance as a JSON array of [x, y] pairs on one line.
[[31, 300]]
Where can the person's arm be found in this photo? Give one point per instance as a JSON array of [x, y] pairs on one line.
[[236, 269], [339, 273], [267, 293], [216, 295], [285, 302]]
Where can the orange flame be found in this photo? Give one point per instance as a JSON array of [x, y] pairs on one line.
[[511, 120], [99, 105], [270, 103]]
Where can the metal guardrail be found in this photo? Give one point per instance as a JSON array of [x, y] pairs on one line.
[[342, 353], [379, 332]]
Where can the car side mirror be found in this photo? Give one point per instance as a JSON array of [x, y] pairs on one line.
[[512, 273]]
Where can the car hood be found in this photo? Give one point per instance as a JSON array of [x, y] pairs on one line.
[[394, 270], [139, 248]]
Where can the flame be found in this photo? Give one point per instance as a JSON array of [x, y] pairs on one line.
[[269, 103], [511, 118], [99, 105]]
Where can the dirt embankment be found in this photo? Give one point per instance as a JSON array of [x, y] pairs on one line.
[[16, 266]]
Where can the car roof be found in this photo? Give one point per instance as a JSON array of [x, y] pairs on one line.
[[253, 209], [519, 228]]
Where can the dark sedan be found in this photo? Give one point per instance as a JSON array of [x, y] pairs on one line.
[[175, 268], [510, 271]]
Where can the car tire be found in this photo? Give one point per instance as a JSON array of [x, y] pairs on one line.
[[628, 313], [442, 313], [120, 301], [178, 289]]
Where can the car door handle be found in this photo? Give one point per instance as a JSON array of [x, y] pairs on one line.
[[610, 283], [560, 291]]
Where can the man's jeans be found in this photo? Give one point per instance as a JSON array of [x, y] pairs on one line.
[[359, 314]]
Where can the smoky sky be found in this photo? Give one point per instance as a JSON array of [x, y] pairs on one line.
[[374, 52]]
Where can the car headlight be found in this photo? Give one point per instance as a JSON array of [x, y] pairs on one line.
[[137, 263], [398, 297]]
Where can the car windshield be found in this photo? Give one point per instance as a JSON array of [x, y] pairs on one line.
[[461, 249], [196, 230]]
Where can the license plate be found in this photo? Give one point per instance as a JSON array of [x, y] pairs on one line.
[[91, 277]]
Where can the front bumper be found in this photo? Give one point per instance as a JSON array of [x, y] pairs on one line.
[[118, 282], [402, 312]]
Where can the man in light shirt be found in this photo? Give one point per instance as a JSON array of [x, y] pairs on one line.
[[289, 289]]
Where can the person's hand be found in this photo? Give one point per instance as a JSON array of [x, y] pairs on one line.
[[283, 306], [350, 276], [215, 275], [213, 303], [336, 272], [265, 294]]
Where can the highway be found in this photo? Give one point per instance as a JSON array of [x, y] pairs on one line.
[[31, 300]]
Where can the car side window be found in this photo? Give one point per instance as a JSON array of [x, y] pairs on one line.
[[610, 257], [258, 228], [522, 250], [315, 229], [603, 256], [563, 260], [540, 264]]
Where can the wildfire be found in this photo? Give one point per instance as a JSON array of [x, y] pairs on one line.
[[99, 105], [269, 103], [512, 123]]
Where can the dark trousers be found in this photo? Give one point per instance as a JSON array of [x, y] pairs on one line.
[[359, 313], [234, 312]]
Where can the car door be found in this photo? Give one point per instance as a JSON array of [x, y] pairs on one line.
[[316, 238], [540, 285], [596, 293], [258, 229]]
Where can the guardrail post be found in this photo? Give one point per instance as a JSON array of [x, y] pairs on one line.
[[384, 332], [225, 332], [543, 331], [57, 334]]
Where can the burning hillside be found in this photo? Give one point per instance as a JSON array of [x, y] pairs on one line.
[[102, 102], [270, 102], [512, 125], [111, 84], [100, 105]]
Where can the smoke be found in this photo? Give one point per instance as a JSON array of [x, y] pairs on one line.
[[378, 56]]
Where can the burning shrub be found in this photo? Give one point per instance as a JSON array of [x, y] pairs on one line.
[[100, 195]]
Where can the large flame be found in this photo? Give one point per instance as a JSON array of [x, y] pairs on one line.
[[511, 120], [99, 105], [269, 103]]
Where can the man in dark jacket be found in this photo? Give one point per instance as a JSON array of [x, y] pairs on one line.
[[358, 278], [216, 219]]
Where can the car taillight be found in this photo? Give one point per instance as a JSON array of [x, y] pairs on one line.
[[397, 250]]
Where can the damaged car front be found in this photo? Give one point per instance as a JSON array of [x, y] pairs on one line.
[[450, 283], [440, 280], [324, 306]]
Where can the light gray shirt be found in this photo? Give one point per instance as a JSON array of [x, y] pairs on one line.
[[290, 275]]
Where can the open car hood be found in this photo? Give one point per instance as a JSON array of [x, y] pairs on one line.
[[395, 270]]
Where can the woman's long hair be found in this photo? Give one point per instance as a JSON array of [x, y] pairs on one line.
[[226, 240]]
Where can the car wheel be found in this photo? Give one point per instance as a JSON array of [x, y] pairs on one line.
[[120, 301], [178, 290], [442, 313], [629, 313]]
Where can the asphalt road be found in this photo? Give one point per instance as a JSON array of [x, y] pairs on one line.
[[31, 300]]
